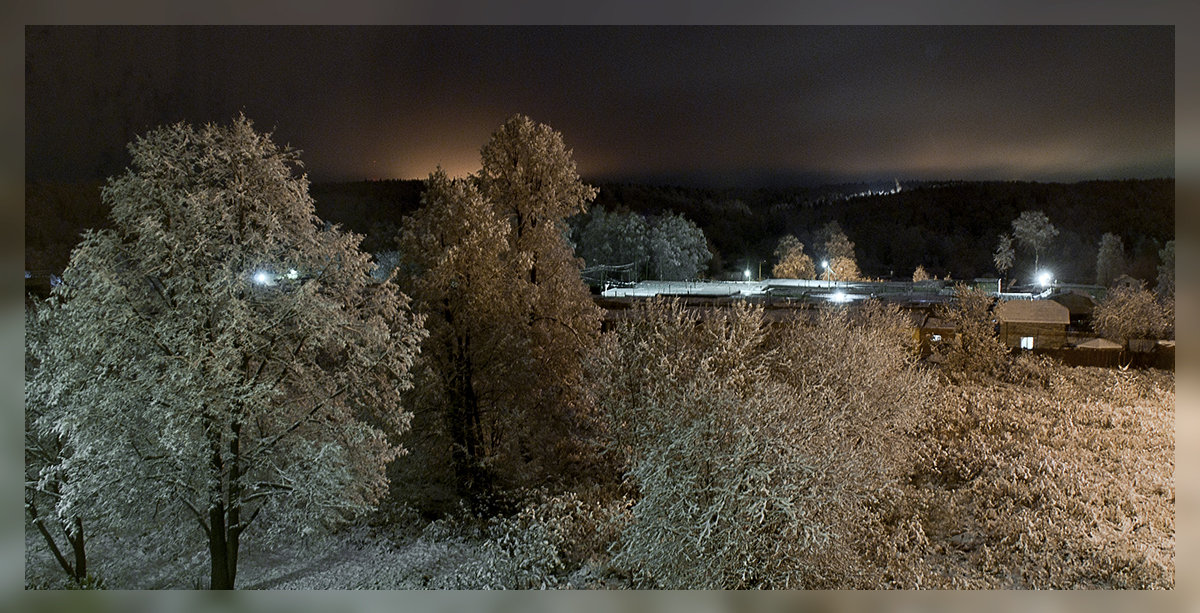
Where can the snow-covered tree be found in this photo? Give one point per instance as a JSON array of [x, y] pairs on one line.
[[838, 254], [1004, 256], [232, 368], [460, 271], [678, 249], [920, 274], [1110, 259], [45, 449], [1128, 313], [613, 238], [976, 349], [1166, 271], [791, 261], [1034, 230], [529, 177]]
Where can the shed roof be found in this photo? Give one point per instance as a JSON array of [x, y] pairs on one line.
[[1033, 312]]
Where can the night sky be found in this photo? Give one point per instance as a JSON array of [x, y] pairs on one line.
[[707, 106]]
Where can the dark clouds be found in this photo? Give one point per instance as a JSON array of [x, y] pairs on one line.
[[703, 105]]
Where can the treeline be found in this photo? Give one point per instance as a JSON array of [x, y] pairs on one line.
[[948, 228]]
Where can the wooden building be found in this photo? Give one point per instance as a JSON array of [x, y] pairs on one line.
[[1033, 324]]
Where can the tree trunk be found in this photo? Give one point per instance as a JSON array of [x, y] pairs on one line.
[[222, 519], [221, 578], [464, 424], [77, 545]]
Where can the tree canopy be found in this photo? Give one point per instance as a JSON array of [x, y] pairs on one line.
[[791, 261], [226, 362]]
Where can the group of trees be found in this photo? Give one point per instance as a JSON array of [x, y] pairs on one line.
[[668, 246], [837, 257], [221, 363]]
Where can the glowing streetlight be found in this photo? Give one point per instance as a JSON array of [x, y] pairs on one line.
[[1044, 278], [292, 274], [263, 277], [825, 264], [839, 297], [747, 274]]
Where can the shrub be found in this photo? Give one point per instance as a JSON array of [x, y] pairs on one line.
[[1127, 313], [976, 350], [759, 458]]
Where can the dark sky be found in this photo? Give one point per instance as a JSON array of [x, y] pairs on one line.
[[697, 105]]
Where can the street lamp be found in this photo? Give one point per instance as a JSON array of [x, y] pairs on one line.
[[1044, 278], [747, 274], [263, 277]]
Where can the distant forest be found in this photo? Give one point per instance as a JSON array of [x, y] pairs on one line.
[[949, 228]]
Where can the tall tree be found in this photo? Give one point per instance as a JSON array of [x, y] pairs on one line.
[[232, 367], [1004, 256], [458, 267], [678, 248], [1034, 230], [1166, 271], [1110, 259], [839, 262], [529, 178], [791, 261]]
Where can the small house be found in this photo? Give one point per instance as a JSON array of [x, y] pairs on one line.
[[1030, 324]]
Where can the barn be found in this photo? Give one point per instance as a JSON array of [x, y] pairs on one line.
[[1030, 324]]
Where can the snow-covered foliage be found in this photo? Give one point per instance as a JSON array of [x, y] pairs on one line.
[[791, 262], [510, 314], [1034, 230], [976, 350], [1110, 259], [757, 457], [613, 238], [1004, 256], [1128, 313], [678, 249], [1062, 478], [196, 392], [667, 247]]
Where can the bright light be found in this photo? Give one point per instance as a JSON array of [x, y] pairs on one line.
[[825, 263], [747, 274], [839, 297], [1044, 278], [292, 274], [263, 277]]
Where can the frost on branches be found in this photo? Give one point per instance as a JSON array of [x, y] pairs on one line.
[[224, 363], [762, 459], [487, 262]]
